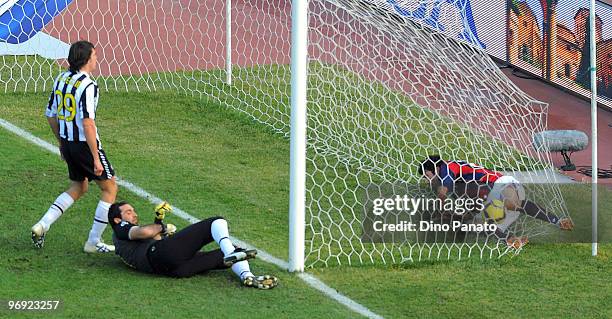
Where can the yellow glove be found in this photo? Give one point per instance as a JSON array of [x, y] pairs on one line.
[[161, 210]]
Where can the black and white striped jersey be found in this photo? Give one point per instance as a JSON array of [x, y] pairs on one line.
[[74, 97]]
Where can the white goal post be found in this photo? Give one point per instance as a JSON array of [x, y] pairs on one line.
[[299, 85]]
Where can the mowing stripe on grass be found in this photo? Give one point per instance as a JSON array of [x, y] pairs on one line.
[[307, 278]]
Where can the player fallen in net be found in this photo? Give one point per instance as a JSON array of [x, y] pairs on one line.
[[157, 248], [505, 195]]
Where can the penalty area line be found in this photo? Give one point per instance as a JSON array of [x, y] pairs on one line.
[[309, 279]]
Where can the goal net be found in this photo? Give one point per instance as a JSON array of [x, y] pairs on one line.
[[386, 88]]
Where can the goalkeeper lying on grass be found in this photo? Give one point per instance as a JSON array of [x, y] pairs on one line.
[[156, 248], [505, 196]]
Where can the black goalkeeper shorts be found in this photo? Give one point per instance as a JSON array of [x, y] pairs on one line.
[[80, 162]]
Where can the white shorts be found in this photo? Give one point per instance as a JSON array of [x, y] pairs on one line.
[[501, 184]]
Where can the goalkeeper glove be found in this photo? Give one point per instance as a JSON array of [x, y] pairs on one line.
[[161, 210]]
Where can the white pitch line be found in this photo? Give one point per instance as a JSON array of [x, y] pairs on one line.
[[310, 279]]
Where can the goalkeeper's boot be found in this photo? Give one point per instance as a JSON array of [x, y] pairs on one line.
[[260, 282], [566, 224], [38, 235], [99, 247], [239, 254]]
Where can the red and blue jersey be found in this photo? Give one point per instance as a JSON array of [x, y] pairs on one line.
[[464, 172]]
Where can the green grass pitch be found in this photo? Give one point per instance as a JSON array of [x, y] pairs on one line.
[[223, 163]]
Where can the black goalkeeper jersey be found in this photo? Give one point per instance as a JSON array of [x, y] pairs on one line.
[[132, 252]]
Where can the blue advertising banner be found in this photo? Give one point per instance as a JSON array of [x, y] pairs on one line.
[[22, 19]]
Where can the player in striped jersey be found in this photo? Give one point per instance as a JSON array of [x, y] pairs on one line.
[[71, 114], [504, 194]]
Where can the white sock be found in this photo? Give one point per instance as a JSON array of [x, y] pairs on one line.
[[220, 234], [61, 204], [100, 222], [241, 269]]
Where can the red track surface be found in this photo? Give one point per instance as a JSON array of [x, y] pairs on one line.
[[136, 37], [568, 112]]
